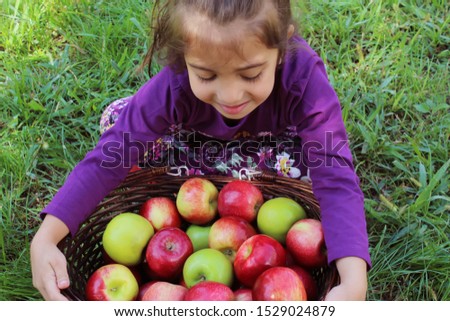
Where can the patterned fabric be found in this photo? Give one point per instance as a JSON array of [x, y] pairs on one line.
[[205, 156]]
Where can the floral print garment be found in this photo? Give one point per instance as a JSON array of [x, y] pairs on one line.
[[204, 155]]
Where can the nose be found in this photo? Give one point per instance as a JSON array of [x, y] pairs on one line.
[[230, 93]]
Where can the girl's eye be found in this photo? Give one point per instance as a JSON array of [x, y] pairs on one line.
[[206, 79], [252, 79]]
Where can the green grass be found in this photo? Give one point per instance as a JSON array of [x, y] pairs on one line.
[[63, 61]]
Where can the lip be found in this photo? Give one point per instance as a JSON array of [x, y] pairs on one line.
[[234, 110]]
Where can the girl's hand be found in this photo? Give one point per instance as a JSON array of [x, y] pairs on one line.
[[353, 275], [48, 263]]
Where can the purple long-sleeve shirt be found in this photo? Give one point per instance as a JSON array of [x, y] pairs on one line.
[[302, 100]]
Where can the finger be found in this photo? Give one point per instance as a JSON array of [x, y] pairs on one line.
[[54, 294], [50, 290], [60, 272]]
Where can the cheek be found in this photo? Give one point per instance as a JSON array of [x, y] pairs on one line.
[[200, 91], [263, 90]]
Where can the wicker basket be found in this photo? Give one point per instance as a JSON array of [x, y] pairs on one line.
[[84, 251]]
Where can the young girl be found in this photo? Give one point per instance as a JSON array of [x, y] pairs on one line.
[[240, 89]]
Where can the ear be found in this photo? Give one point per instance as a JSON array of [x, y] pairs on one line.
[[290, 31]]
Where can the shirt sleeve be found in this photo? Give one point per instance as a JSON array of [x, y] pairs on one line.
[[326, 153], [147, 117]]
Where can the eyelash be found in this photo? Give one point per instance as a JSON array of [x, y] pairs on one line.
[[249, 79], [252, 79]]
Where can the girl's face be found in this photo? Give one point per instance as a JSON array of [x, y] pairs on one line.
[[234, 82]]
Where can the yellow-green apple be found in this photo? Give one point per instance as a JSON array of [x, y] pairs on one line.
[[279, 283], [112, 282], [276, 216], [161, 212], [243, 294], [257, 254], [164, 291], [306, 243], [207, 265], [197, 200], [240, 198], [125, 238], [209, 291], [228, 233], [199, 235], [166, 253], [308, 280]]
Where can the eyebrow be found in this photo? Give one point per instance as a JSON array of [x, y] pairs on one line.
[[251, 66]]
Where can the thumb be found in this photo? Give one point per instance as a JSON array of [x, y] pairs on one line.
[[62, 281], [61, 275]]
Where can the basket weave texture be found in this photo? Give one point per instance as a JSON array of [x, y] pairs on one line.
[[84, 251]]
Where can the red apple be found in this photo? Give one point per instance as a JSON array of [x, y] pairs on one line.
[[197, 200], [306, 242], [161, 212], [164, 291], [243, 294], [257, 254], [279, 284], [209, 291], [112, 282], [228, 233], [240, 198], [142, 289], [166, 253], [308, 281]]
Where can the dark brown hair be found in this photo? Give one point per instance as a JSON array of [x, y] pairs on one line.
[[169, 31]]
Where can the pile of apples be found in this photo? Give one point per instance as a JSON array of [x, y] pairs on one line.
[[211, 245]]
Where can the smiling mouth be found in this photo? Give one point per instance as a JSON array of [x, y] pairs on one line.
[[233, 110]]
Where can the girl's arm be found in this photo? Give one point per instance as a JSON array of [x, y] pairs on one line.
[[353, 285], [47, 261]]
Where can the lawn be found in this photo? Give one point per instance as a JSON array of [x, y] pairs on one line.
[[62, 62]]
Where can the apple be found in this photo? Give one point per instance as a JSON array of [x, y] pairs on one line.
[[166, 253], [164, 291], [125, 238], [240, 198], [199, 235], [209, 291], [228, 233], [143, 288], [161, 212], [137, 270], [207, 265], [308, 281], [279, 283], [112, 282], [243, 294], [196, 200], [257, 254], [276, 216], [306, 243]]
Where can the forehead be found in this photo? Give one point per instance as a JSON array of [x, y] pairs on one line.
[[206, 39], [201, 31]]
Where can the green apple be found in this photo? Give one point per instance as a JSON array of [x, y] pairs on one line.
[[207, 265], [199, 236], [125, 238], [277, 215]]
